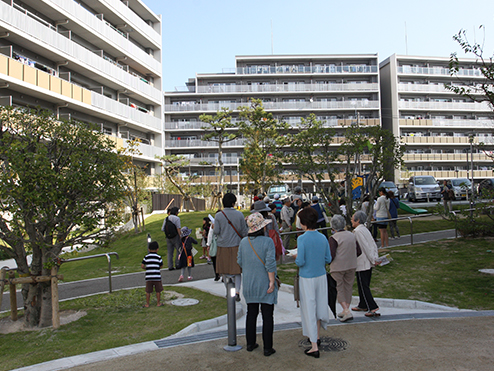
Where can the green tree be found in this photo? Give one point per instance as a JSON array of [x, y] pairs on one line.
[[219, 129], [136, 177], [184, 185], [478, 90], [313, 156], [261, 161], [60, 183], [317, 157]]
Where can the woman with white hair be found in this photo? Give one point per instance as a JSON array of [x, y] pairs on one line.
[[311, 258], [365, 262], [343, 247]]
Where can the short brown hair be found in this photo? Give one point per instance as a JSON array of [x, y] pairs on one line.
[[308, 217]]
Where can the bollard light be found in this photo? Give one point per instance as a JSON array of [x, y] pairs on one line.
[[231, 318], [149, 238]]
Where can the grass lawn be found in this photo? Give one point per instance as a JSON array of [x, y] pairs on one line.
[[132, 247], [443, 272], [112, 320]]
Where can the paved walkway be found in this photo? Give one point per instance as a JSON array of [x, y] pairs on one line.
[[409, 335]]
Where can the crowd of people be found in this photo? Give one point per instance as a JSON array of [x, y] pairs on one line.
[[246, 249]]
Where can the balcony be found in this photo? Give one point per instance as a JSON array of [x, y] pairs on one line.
[[197, 143], [279, 88], [438, 140], [295, 69], [445, 106], [294, 123], [448, 123], [271, 106], [437, 71], [126, 113], [148, 152], [77, 54], [450, 157], [130, 18], [450, 174], [17, 72]]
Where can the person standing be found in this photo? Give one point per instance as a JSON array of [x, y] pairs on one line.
[[279, 205], [321, 220], [365, 262], [286, 221], [171, 227], [152, 263], [343, 247], [186, 260], [230, 228], [394, 205], [448, 196], [382, 213], [312, 256], [256, 257]]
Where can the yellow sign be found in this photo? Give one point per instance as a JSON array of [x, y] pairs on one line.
[[357, 182]]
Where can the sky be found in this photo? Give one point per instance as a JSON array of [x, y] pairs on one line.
[[204, 36]]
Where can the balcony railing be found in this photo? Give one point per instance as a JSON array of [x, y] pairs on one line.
[[446, 106], [453, 157], [437, 71], [448, 174], [438, 140], [278, 88], [201, 143], [295, 69], [126, 112], [294, 123], [204, 107], [483, 123]]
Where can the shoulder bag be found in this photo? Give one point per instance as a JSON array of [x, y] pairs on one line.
[[276, 278]]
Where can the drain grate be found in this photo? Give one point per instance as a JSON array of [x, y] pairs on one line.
[[328, 344]]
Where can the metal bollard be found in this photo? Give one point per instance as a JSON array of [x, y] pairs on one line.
[[231, 317]]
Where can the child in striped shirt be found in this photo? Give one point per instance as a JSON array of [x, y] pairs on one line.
[[152, 263]]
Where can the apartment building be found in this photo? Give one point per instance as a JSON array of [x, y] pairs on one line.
[[338, 89], [95, 61], [439, 127]]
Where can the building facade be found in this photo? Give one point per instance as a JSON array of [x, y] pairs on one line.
[[338, 89], [94, 61], [439, 127]]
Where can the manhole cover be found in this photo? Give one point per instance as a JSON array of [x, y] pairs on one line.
[[328, 344], [184, 302]]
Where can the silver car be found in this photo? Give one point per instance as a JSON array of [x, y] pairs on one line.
[[423, 187], [390, 186], [461, 186]]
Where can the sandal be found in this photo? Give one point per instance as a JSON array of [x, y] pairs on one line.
[[372, 314], [358, 309]]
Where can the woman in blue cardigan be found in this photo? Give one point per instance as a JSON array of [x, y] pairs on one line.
[[312, 256]]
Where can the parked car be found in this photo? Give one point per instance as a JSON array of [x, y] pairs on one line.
[[460, 187], [390, 186], [423, 187], [486, 186]]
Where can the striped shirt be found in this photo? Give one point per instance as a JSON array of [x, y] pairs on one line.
[[153, 263]]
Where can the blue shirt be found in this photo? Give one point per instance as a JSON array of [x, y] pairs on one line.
[[312, 254]]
